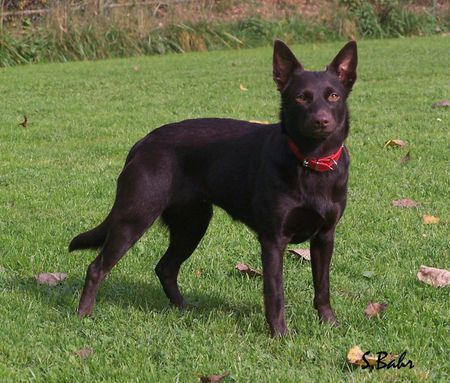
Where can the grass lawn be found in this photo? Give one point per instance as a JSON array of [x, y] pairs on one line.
[[57, 178]]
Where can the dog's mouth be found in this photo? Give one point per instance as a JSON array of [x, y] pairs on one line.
[[317, 133]]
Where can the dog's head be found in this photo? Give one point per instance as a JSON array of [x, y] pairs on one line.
[[314, 103]]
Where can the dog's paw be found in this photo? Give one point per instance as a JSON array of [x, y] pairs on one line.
[[190, 306], [279, 331], [184, 306], [83, 312], [330, 321], [327, 316]]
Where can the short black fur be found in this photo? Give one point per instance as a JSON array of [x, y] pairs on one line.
[[180, 170]]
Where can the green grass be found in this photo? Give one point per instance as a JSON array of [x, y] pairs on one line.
[[57, 178]]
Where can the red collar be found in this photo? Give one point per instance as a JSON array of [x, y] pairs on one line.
[[323, 164]]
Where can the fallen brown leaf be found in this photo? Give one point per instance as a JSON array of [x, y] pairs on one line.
[[242, 87], [213, 378], [354, 356], [310, 354], [434, 277], [406, 159], [441, 104], [395, 143], [84, 352], [246, 269], [405, 202], [301, 253], [265, 122], [50, 279], [24, 124], [430, 220], [374, 309]]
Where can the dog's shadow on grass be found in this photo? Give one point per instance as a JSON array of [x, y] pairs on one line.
[[127, 293]]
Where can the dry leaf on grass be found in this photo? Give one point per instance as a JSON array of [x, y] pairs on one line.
[[368, 274], [301, 253], [264, 122], [355, 358], [434, 277], [84, 352], [441, 104], [395, 143], [406, 159], [430, 219], [213, 378], [24, 124], [405, 202], [246, 269], [50, 279], [242, 87], [374, 309]]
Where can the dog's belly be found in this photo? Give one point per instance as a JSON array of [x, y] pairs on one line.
[[302, 237], [302, 223]]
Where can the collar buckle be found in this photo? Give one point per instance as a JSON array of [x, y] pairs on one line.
[[323, 164], [334, 166]]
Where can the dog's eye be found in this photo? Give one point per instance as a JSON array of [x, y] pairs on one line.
[[333, 97], [301, 98]]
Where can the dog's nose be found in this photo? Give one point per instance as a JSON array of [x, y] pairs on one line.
[[322, 122]]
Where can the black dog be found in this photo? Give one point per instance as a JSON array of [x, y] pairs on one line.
[[287, 182]]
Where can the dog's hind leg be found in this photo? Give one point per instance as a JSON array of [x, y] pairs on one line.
[[140, 199], [120, 238], [187, 225]]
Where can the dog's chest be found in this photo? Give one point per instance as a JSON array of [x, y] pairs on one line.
[[301, 223], [314, 206]]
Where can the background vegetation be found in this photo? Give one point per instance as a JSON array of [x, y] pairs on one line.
[[64, 30], [57, 178]]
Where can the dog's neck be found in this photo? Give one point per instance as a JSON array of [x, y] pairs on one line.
[[311, 148], [315, 148]]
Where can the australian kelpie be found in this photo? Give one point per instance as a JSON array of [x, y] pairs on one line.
[[286, 181]]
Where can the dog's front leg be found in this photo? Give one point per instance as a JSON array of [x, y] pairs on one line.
[[321, 247], [272, 260]]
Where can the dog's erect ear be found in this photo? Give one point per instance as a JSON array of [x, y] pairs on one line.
[[284, 64], [344, 64]]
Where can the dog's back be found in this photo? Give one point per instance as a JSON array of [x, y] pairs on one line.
[[214, 159]]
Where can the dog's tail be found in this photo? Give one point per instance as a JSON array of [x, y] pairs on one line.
[[92, 239]]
